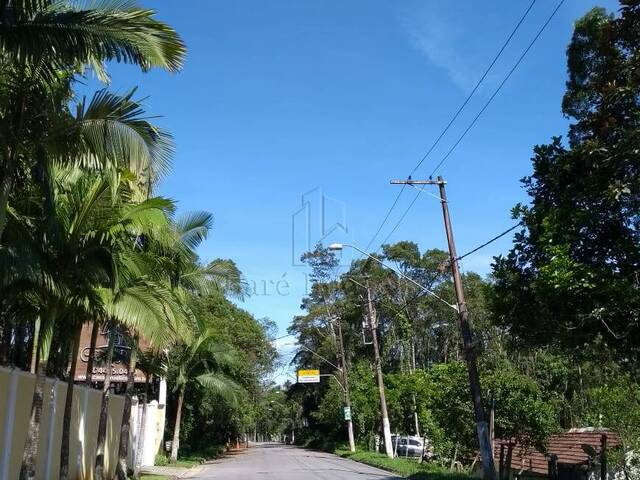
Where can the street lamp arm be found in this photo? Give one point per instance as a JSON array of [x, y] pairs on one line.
[[386, 265], [344, 390], [319, 356]]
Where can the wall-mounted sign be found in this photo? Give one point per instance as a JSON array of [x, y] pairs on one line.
[[308, 376], [121, 351]]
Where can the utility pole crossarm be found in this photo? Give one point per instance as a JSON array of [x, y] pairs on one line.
[[418, 182]]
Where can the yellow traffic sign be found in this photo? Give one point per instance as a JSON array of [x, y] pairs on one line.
[[308, 376]]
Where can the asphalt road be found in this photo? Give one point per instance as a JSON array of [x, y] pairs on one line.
[[279, 462]]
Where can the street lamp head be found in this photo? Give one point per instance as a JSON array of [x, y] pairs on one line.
[[336, 246]]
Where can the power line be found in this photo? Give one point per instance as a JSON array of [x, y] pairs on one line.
[[453, 119], [489, 242], [495, 93], [513, 69], [484, 76], [280, 338], [386, 217], [395, 227]]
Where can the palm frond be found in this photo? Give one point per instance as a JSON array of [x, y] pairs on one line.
[[221, 385], [146, 310], [68, 34], [114, 132], [228, 278], [194, 227]]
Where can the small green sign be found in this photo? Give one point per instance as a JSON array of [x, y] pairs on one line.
[[347, 413]]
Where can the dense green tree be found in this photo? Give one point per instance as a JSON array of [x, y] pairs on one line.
[[572, 275], [203, 361]]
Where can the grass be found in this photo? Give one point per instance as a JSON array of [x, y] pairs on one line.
[[405, 467], [155, 477], [191, 460]]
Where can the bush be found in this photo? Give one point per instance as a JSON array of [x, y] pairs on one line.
[[409, 468]]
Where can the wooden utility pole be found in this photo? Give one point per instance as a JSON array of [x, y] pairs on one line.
[[345, 384], [482, 430], [386, 426]]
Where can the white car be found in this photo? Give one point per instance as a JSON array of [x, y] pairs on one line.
[[408, 446]]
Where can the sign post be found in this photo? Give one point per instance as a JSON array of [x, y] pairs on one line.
[[347, 414]]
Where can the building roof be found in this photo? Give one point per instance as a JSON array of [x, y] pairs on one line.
[[572, 447]]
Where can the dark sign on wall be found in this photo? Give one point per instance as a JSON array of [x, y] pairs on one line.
[[121, 353]]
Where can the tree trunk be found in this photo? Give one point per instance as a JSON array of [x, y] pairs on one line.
[[30, 454], [141, 431], [123, 450], [20, 352], [7, 331], [92, 353], [176, 429], [416, 420], [66, 421], [6, 185], [34, 348], [507, 473], [104, 410]]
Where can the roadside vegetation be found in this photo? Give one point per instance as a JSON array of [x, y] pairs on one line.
[[86, 237], [556, 322], [409, 468]]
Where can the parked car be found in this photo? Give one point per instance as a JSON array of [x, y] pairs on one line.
[[408, 446]]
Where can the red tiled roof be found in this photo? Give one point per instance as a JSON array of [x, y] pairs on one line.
[[568, 446]]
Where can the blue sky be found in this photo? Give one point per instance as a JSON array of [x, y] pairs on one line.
[[281, 98]]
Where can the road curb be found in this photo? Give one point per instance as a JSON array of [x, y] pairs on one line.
[[191, 472]]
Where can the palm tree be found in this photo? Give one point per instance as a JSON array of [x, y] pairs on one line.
[[44, 46], [106, 130], [203, 361], [177, 267], [164, 321], [76, 251]]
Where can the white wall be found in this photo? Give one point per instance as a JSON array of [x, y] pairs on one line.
[[16, 392]]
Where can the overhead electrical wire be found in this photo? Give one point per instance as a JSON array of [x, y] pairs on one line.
[[453, 119], [482, 110], [513, 69], [419, 293], [479, 247]]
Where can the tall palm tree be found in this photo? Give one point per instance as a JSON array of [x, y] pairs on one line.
[[110, 131], [77, 248], [44, 46], [202, 361], [177, 267], [161, 321]]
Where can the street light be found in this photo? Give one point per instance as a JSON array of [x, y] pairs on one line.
[[340, 247]]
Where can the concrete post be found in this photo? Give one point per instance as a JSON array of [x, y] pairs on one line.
[[5, 460]]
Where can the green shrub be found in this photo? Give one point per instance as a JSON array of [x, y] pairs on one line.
[[161, 460], [407, 467]]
